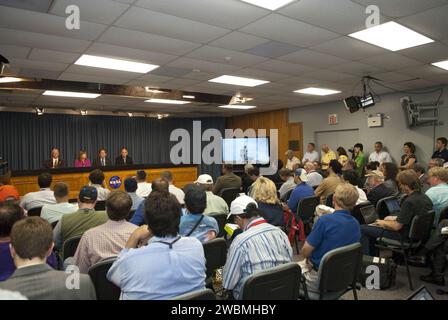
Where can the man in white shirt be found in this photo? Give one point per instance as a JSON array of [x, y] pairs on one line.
[[180, 195], [96, 178], [54, 212], [314, 177], [130, 186], [379, 155], [215, 204], [311, 154], [292, 162], [143, 187], [42, 197], [288, 185]]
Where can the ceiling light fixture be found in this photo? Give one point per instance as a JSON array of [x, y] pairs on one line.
[[391, 36], [167, 101], [115, 64], [238, 81], [40, 111], [83, 112], [188, 97], [130, 114], [154, 90], [71, 94], [237, 106], [10, 79], [441, 64], [317, 91], [269, 4]]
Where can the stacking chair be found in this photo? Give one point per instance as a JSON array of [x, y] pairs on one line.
[[229, 194], [329, 200], [131, 214], [34, 212], [305, 212], [443, 215], [69, 247], [205, 294], [356, 212], [100, 206], [381, 207], [105, 290], [215, 252], [221, 218], [278, 283]]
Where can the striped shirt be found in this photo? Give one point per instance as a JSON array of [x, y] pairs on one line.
[[261, 246], [102, 242]]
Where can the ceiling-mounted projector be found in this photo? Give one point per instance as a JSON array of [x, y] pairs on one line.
[[353, 104]]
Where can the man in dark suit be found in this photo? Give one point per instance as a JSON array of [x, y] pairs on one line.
[[102, 160], [55, 161], [123, 158], [31, 244], [378, 190]]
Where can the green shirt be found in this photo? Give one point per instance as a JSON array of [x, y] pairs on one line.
[[75, 224], [360, 161]]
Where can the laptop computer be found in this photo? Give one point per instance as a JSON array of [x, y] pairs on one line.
[[393, 206], [369, 214], [421, 294]]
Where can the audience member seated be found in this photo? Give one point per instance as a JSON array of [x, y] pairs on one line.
[[326, 156], [265, 194], [416, 203], [288, 183], [276, 176], [177, 192], [10, 213], [311, 155], [369, 167], [215, 204], [54, 212], [82, 161], [246, 181], [96, 178], [227, 180], [342, 155], [130, 186], [75, 224], [9, 194], [436, 162], [292, 162], [441, 150], [330, 232], [31, 245], [352, 178], [390, 172], [160, 185], [422, 176], [377, 189], [349, 166], [379, 155], [438, 193], [408, 158], [42, 197], [254, 174], [180, 266], [318, 168], [194, 223], [314, 177], [329, 184], [143, 187], [302, 190], [108, 239], [259, 247]]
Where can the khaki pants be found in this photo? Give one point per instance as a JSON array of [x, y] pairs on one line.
[[310, 276]]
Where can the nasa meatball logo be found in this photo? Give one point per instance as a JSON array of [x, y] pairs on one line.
[[115, 182]]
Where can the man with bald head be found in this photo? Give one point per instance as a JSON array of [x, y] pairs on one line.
[[326, 156]]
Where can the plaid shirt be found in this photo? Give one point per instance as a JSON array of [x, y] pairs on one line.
[[102, 242]]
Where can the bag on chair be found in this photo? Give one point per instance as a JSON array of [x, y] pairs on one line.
[[387, 271]]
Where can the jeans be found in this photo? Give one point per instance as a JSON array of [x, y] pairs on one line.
[[369, 234]]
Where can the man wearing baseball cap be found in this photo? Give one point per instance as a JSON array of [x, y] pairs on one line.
[[75, 224], [260, 246], [378, 190], [9, 194], [303, 190], [215, 204]]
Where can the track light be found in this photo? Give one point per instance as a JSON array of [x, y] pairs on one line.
[[83, 112], [40, 111], [130, 114]]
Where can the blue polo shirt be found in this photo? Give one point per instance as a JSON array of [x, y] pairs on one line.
[[302, 190], [333, 231], [139, 215], [188, 222], [441, 154]]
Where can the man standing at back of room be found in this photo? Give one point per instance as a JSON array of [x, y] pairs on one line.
[[326, 156], [379, 155]]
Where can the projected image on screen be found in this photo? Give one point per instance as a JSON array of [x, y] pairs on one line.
[[245, 150]]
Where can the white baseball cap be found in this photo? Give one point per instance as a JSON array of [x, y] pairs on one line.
[[239, 205], [301, 173], [204, 179]]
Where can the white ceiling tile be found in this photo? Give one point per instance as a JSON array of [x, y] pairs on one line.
[[70, 76], [283, 67], [327, 75], [238, 41], [424, 71], [39, 73], [220, 55], [391, 61], [99, 11], [32, 5], [394, 77], [169, 26], [101, 72], [202, 75], [356, 69], [313, 58], [432, 52], [273, 49], [401, 8], [349, 49], [284, 29], [260, 74], [231, 14], [146, 41], [53, 56], [154, 78], [203, 65], [171, 71], [44, 41], [44, 23], [42, 65], [14, 51], [181, 83]]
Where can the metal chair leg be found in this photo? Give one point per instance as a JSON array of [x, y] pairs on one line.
[[407, 270], [297, 244]]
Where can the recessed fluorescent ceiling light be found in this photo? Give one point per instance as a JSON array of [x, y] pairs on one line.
[[237, 106], [238, 81], [441, 64], [167, 101], [269, 4], [10, 79], [188, 97], [391, 36], [71, 94], [114, 64], [317, 91]]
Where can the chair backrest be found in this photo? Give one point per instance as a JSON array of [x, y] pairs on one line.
[[205, 294], [443, 215], [288, 194], [306, 208], [100, 206], [278, 185], [53, 224], [34, 212], [278, 283], [339, 268], [73, 200], [215, 252], [421, 226], [130, 215], [105, 290], [229, 194], [329, 200], [381, 207], [356, 212], [221, 218], [69, 247]]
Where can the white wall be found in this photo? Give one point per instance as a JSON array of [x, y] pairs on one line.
[[393, 133]]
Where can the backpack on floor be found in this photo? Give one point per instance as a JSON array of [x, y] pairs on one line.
[[387, 272]]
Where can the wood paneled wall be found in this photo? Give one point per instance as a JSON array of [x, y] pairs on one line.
[[271, 120]]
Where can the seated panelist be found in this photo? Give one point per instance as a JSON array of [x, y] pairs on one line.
[[123, 158], [82, 161], [102, 160], [55, 160]]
